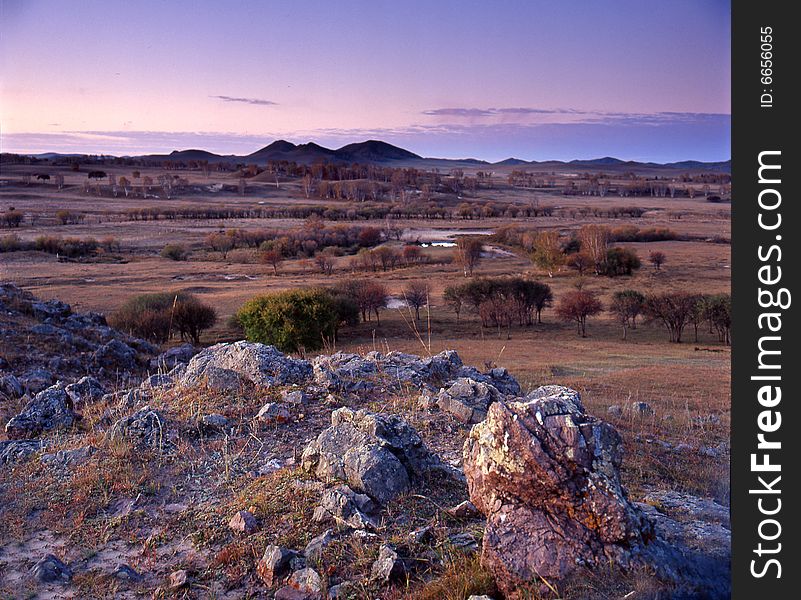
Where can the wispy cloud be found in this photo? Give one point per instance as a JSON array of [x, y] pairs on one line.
[[253, 101]]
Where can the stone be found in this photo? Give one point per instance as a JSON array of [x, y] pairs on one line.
[[346, 507], [614, 410], [179, 579], [16, 451], [214, 423], [37, 379], [145, 428], [68, 458], [464, 510], [315, 548], [168, 360], [115, 354], [228, 366], [127, 573], [294, 397], [85, 390], [464, 542], [159, 381], [49, 409], [244, 522], [376, 454], [468, 400], [642, 409], [274, 563], [546, 475], [50, 569], [304, 584], [273, 413], [388, 566], [10, 387]]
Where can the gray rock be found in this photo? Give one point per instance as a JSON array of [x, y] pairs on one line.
[[10, 387], [642, 409], [274, 563], [614, 410], [49, 409], [127, 573], [273, 413], [37, 379], [179, 579], [346, 507], [50, 569], [145, 428], [244, 522], [228, 366], [464, 510], [166, 361], [376, 454], [16, 451], [50, 309], [68, 458], [214, 422], [315, 548], [388, 566], [85, 390], [115, 354], [294, 397], [464, 542], [468, 400], [307, 580], [156, 382]]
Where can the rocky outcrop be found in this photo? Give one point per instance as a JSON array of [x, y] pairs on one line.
[[546, 475], [49, 409], [344, 506], [468, 400], [229, 366], [145, 428], [376, 454], [85, 390]]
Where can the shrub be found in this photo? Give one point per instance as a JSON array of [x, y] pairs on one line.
[[158, 316], [621, 261], [293, 320], [174, 252], [12, 218], [10, 243], [657, 259]]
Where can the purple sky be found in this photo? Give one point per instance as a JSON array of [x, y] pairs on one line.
[[636, 79]]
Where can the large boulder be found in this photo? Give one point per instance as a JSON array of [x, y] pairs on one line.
[[145, 428], [169, 359], [376, 454], [228, 366], [115, 354], [546, 475], [49, 409], [10, 387], [85, 390]]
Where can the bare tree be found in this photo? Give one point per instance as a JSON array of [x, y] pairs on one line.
[[577, 306], [416, 295], [594, 241], [657, 259], [468, 254]]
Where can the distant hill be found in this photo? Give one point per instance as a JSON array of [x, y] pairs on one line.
[[379, 152]]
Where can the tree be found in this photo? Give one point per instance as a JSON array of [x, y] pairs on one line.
[[627, 306], [271, 256], [547, 253], [621, 261], [221, 242], [657, 259], [174, 252], [577, 306], [325, 262], [12, 218], [468, 254], [718, 310], [369, 296], [453, 297], [191, 317], [158, 316], [293, 320], [673, 309], [594, 241], [416, 295], [580, 261]]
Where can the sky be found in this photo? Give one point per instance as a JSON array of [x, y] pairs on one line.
[[537, 80]]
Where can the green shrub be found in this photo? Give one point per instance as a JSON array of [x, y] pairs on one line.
[[294, 320], [174, 252], [621, 261]]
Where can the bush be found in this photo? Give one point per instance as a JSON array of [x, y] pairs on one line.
[[12, 218], [10, 243], [295, 320], [174, 252], [157, 317], [621, 261]]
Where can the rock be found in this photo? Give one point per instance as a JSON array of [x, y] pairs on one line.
[[422, 535], [464, 510], [614, 410], [15, 451], [273, 413], [166, 361], [503, 381], [50, 569], [315, 548], [156, 382], [115, 354], [214, 422], [388, 566], [10, 387], [304, 584], [468, 400], [228, 366], [49, 409], [687, 505], [344, 372], [127, 573], [481, 597], [346, 507], [642, 409], [179, 579], [37, 379], [145, 428], [464, 542], [68, 458], [274, 563], [341, 591], [244, 522], [294, 396], [129, 398], [546, 475], [376, 454], [85, 390], [50, 309]]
